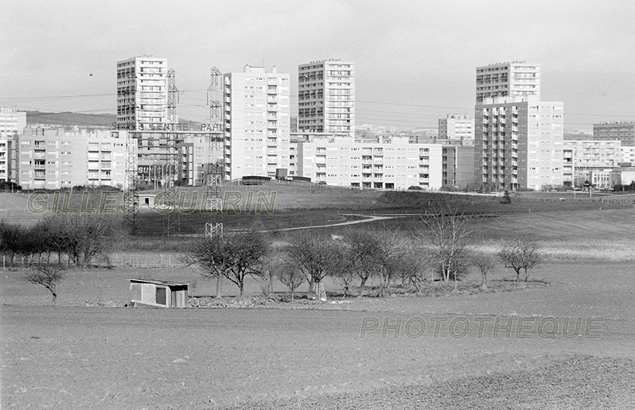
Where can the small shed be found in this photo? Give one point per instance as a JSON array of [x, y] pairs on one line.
[[147, 200], [158, 293]]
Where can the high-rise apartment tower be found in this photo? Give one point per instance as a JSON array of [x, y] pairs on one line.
[[511, 79], [142, 93], [518, 143], [326, 97], [257, 121]]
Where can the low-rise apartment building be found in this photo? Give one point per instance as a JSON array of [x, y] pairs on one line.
[[587, 160], [56, 159]]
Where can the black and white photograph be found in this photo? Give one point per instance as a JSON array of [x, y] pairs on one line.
[[331, 204]]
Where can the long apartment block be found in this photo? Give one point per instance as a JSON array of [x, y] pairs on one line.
[[393, 163]]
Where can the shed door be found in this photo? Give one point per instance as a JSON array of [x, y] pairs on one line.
[[160, 295]]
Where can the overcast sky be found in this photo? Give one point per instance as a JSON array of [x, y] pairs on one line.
[[415, 60]]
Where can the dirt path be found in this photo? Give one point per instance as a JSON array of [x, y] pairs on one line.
[[369, 218]]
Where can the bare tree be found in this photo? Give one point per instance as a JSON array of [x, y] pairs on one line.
[[233, 255], [388, 257], [46, 275], [449, 229], [317, 256], [520, 254], [362, 245], [291, 276], [342, 267], [269, 267], [414, 267], [485, 264]]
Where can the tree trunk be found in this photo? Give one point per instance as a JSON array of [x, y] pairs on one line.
[[320, 292], [361, 287], [311, 284], [53, 292], [219, 287]]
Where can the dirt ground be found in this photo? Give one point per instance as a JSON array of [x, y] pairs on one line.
[[570, 344]]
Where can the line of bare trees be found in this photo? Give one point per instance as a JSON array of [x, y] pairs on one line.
[[443, 248], [70, 239], [55, 243]]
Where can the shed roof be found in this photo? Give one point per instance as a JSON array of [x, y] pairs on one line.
[[158, 282]]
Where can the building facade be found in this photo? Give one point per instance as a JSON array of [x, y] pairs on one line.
[[257, 123], [12, 122], [392, 163], [56, 159], [510, 79], [628, 155], [590, 160], [142, 93], [518, 143], [194, 155], [608, 131], [456, 127], [595, 154], [326, 97]]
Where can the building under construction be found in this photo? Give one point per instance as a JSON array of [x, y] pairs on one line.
[[160, 153]]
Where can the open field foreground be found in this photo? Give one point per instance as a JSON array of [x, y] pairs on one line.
[[369, 353]]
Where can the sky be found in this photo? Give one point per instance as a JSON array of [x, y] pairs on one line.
[[415, 60]]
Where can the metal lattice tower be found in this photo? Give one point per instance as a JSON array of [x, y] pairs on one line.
[[172, 221], [130, 205], [214, 98], [130, 199], [215, 171]]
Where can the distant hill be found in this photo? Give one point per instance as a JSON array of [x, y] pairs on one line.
[[82, 120], [70, 118]]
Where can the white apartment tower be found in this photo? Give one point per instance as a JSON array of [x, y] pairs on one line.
[[326, 97], [512, 79], [142, 93], [257, 122]]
